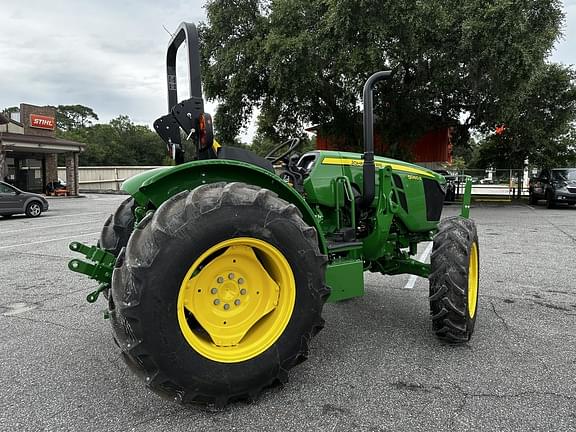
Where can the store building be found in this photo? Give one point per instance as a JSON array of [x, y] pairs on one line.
[[29, 150]]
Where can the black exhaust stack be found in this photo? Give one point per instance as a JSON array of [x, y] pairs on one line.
[[369, 170]]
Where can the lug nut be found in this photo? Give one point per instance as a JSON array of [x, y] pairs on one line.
[[213, 290], [243, 291], [240, 281], [226, 306], [217, 301], [220, 279], [230, 275], [237, 302]]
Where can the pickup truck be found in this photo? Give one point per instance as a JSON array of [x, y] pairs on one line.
[[556, 185]]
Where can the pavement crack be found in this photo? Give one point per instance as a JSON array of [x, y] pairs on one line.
[[42, 255], [56, 296], [458, 411], [169, 412], [553, 306], [45, 321], [521, 394], [504, 322]]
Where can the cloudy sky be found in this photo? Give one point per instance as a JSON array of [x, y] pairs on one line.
[[109, 54]]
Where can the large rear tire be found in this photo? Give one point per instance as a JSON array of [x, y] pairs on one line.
[[454, 280], [218, 294]]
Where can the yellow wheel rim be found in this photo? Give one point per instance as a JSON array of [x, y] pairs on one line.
[[473, 281], [236, 300]]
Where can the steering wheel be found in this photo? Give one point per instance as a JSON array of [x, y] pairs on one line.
[[278, 153]]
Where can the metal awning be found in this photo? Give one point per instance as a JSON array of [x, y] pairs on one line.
[[39, 144]]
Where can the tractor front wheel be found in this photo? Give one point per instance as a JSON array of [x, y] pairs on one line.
[[218, 294], [118, 228], [454, 280]]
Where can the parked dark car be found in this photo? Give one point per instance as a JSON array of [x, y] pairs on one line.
[[557, 185], [14, 201]]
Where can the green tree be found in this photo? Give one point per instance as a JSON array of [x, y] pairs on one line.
[[305, 61], [540, 127], [69, 117], [121, 142], [10, 110]]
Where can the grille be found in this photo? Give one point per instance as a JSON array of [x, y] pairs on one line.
[[434, 199]]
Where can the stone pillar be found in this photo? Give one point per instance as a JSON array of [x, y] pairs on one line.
[[3, 165], [51, 168], [72, 173]]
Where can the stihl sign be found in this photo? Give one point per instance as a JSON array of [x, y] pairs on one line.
[[42, 122]]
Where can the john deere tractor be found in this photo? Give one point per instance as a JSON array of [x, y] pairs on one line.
[[216, 270]]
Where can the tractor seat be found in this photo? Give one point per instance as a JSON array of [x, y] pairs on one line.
[[239, 154]]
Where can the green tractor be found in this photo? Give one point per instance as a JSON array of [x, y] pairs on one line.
[[216, 270]]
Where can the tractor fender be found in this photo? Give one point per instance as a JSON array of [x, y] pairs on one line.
[[152, 188]]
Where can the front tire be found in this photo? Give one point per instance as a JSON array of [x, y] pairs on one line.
[[117, 231], [454, 280], [34, 209], [218, 294], [118, 228], [550, 201]]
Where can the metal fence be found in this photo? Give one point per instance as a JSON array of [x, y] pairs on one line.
[[104, 179], [503, 184]]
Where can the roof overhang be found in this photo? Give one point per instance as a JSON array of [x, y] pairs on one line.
[[39, 144], [40, 148]]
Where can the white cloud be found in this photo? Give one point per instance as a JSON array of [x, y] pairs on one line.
[[108, 55]]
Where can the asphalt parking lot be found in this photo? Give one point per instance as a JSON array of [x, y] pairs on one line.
[[375, 367]]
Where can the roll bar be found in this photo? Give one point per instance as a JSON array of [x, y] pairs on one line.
[[185, 114], [186, 32]]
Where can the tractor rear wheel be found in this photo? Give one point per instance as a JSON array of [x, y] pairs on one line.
[[454, 280], [218, 294]]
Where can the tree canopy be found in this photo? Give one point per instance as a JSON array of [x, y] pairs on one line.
[[472, 63], [69, 117], [540, 127], [120, 142]]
